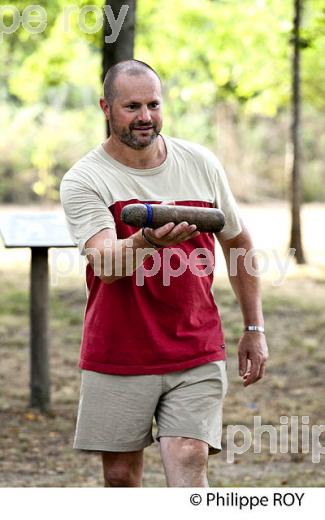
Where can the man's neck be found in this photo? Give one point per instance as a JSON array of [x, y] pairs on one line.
[[149, 157]]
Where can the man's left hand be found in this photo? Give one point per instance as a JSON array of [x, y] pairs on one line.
[[252, 356]]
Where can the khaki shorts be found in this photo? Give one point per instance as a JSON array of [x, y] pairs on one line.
[[116, 412]]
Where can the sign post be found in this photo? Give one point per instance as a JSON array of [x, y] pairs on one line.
[[38, 231]]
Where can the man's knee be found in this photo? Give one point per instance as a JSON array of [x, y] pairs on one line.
[[121, 476], [191, 453], [124, 472]]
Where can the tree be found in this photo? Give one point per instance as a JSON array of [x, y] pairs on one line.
[[296, 241], [123, 47], [209, 53]]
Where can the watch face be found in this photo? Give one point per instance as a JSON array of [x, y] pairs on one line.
[[254, 328]]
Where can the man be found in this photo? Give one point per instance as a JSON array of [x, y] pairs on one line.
[[153, 344]]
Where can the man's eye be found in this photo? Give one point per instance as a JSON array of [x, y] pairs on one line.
[[132, 107], [154, 105]]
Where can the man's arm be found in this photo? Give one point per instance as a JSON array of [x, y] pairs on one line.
[[112, 258], [252, 346]]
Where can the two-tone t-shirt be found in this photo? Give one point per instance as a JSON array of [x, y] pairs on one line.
[[163, 318]]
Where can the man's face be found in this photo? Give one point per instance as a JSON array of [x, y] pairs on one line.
[[135, 117]]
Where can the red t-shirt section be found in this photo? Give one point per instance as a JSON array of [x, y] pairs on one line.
[[153, 327]]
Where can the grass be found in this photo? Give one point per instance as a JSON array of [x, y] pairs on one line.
[[36, 448]]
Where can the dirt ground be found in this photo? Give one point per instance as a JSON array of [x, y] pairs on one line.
[[36, 449]]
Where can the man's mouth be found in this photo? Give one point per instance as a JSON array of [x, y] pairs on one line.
[[143, 128]]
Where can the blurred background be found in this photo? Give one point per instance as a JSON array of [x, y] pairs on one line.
[[246, 78]]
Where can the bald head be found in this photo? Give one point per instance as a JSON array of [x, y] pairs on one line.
[[128, 67]]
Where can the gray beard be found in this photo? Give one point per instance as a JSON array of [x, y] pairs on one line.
[[131, 140]]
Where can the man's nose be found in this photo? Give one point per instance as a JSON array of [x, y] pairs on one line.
[[145, 114]]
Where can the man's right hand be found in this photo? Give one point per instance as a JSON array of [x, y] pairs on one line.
[[171, 234]]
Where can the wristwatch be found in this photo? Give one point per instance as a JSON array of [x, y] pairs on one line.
[[254, 328]]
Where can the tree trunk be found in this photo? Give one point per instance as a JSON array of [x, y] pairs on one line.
[[123, 47], [296, 241]]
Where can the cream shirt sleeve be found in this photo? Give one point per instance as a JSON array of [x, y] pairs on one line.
[[86, 212], [225, 201]]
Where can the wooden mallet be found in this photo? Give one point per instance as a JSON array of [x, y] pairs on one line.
[[156, 215]]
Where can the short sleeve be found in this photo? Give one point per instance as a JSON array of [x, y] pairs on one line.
[[86, 212], [225, 201]]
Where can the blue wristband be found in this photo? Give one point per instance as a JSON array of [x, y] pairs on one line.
[[149, 215]]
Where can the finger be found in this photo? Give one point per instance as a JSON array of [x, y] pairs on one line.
[[262, 370], [187, 236], [250, 381], [162, 231], [170, 229], [173, 232], [253, 373], [242, 363], [194, 234], [182, 230], [246, 378], [252, 376], [186, 231], [179, 228]]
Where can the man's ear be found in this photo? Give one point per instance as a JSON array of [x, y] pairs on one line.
[[105, 107]]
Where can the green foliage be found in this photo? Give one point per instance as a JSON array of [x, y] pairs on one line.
[[57, 63], [41, 143], [228, 50], [231, 52]]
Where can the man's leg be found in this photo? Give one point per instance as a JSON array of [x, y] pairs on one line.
[[115, 418], [185, 461], [122, 469]]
